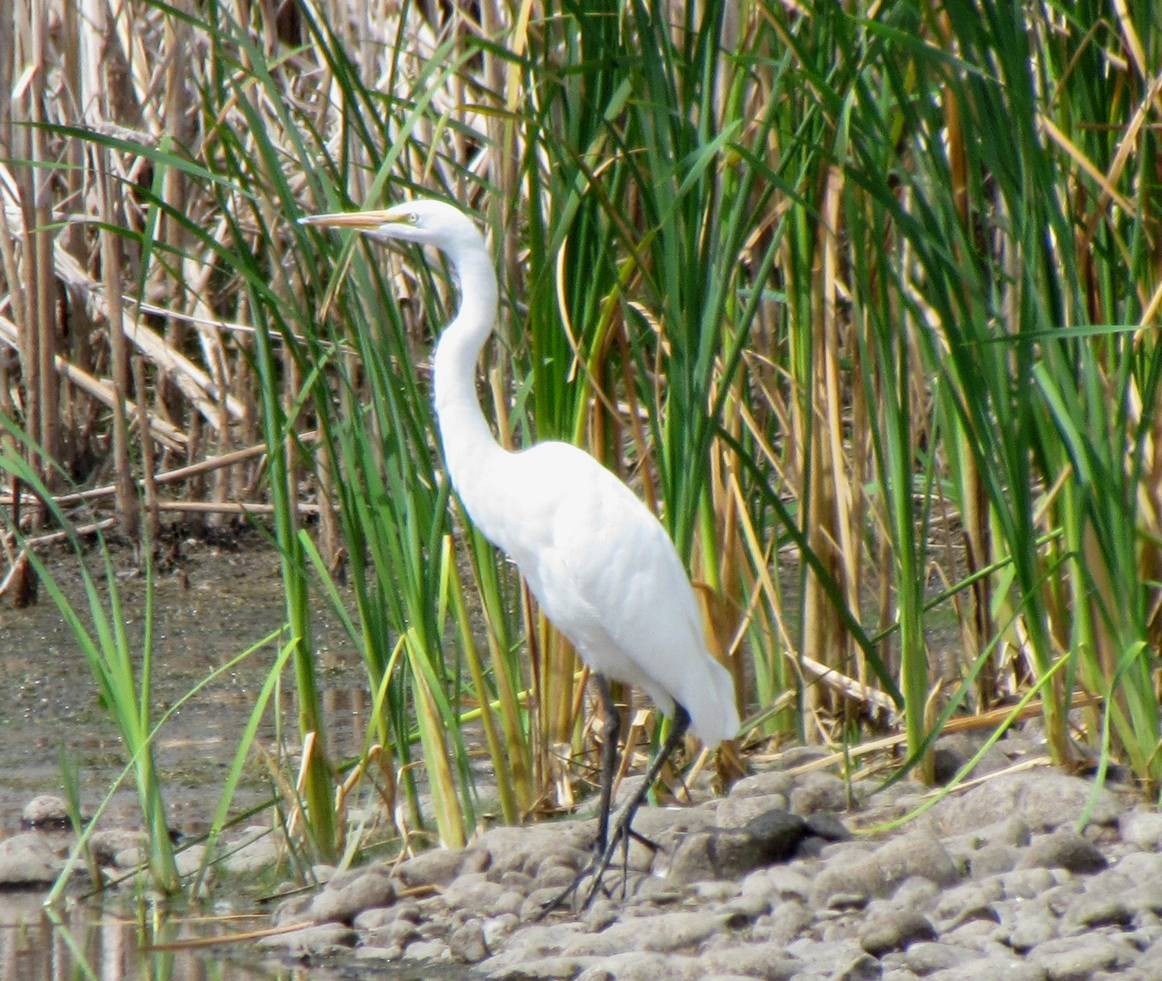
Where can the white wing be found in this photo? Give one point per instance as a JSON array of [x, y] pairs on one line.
[[608, 577]]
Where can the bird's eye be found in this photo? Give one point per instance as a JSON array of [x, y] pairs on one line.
[[413, 218]]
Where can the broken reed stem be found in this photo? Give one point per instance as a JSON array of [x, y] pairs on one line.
[[190, 507], [178, 474], [127, 504], [148, 481]]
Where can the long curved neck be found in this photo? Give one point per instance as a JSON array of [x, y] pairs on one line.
[[469, 446]]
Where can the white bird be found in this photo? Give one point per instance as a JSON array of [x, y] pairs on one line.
[[599, 563]]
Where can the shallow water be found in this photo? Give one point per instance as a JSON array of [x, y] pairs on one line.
[[220, 601]]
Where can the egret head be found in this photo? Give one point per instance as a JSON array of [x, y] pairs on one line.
[[423, 221]]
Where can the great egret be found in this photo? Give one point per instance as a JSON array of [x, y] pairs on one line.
[[599, 563]]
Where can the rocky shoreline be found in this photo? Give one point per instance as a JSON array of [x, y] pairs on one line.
[[782, 878], [769, 882]]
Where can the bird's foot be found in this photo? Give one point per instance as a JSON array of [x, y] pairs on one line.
[[589, 881]]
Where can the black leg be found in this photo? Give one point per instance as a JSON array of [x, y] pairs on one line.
[[623, 829], [609, 734]]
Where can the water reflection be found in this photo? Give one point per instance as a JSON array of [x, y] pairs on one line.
[[97, 941], [232, 599]]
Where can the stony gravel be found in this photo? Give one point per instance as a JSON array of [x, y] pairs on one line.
[[781, 879]]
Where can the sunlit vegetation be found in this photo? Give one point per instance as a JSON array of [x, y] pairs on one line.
[[864, 300]]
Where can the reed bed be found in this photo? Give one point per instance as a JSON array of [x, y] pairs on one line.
[[864, 300]]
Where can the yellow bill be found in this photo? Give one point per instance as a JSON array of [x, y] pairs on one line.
[[356, 219]]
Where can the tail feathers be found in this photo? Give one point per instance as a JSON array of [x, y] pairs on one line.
[[710, 702]]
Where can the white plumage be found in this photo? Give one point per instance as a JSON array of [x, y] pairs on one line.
[[599, 563]]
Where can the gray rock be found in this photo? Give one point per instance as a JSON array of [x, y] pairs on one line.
[[393, 934], [669, 931], [976, 934], [377, 955], [316, 940], [1151, 957], [756, 960], [1146, 899], [818, 791], [474, 891], [437, 867], [1063, 850], [847, 852], [600, 914], [854, 884], [971, 901], [1026, 883], [130, 858], [28, 860], [927, 957], [46, 813], [533, 943], [1142, 829], [657, 892], [842, 958], [551, 876], [1010, 831], [373, 919], [766, 839], [380, 916], [894, 930], [539, 968], [795, 757], [953, 751], [111, 846], [776, 883], [1043, 799], [847, 900], [640, 965], [293, 909], [1141, 867], [763, 785], [466, 943], [717, 890], [1076, 958], [915, 854], [992, 860], [742, 911], [350, 893], [862, 967], [825, 825], [785, 923], [915, 893], [667, 828], [538, 901], [191, 859], [513, 879], [533, 849], [255, 849], [1058, 899], [1088, 911], [776, 833], [734, 812], [1031, 927], [497, 929], [427, 950], [509, 901], [995, 966]]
